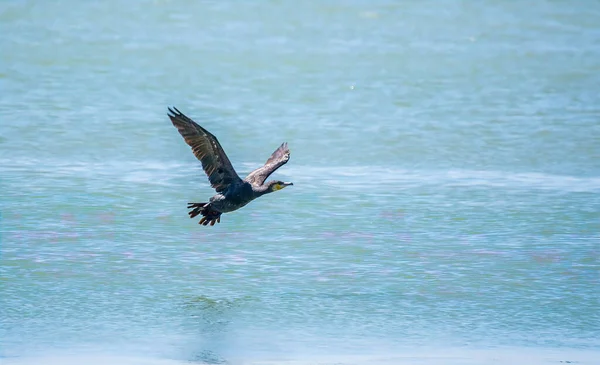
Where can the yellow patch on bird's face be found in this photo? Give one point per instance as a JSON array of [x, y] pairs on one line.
[[277, 187]]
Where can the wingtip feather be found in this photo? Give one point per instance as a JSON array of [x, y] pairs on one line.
[[174, 112]]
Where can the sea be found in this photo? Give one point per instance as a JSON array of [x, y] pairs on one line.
[[445, 159]]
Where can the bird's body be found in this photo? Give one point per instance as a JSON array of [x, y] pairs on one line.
[[235, 197], [232, 192]]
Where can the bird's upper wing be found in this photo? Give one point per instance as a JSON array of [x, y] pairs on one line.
[[279, 158], [207, 149]]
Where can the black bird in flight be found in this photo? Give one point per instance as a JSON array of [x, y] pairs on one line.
[[232, 192]]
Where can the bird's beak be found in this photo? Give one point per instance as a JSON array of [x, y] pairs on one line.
[[287, 184]]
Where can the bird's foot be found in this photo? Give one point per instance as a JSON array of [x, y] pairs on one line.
[[210, 217]]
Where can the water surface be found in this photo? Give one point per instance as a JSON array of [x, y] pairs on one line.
[[446, 169]]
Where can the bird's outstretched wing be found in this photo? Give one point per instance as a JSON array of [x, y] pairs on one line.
[[279, 158], [207, 149]]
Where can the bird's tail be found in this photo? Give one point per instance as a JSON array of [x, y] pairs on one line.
[[209, 216], [198, 208]]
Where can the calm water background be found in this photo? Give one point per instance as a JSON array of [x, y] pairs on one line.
[[446, 162]]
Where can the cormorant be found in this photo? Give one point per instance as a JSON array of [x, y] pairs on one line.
[[232, 192]]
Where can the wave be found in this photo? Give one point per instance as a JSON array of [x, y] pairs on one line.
[[344, 177]]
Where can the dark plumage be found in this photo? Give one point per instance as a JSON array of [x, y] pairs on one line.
[[232, 192]]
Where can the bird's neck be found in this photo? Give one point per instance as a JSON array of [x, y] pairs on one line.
[[262, 190]]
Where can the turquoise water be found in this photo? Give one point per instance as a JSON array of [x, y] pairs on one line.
[[446, 169]]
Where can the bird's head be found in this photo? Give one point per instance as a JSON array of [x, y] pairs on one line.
[[278, 185]]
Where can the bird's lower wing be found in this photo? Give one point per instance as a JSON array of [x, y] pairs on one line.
[[207, 149], [278, 158]]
